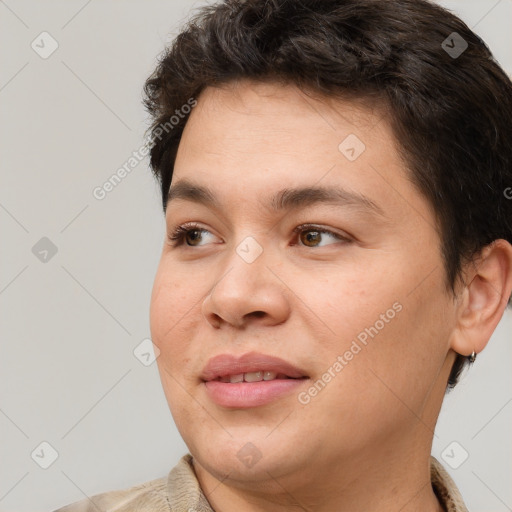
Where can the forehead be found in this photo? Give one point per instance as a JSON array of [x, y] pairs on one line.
[[281, 115], [256, 139]]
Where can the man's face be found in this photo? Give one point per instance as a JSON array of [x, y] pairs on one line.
[[355, 299]]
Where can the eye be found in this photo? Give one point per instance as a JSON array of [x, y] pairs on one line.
[[311, 235], [191, 234]]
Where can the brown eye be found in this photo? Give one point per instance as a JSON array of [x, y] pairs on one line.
[[314, 236], [189, 235], [310, 237], [192, 236]]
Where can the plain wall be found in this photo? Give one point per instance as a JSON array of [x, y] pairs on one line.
[[69, 325]]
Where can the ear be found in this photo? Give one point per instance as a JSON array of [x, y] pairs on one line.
[[483, 298]]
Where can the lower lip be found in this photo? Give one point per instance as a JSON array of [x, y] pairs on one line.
[[250, 394]]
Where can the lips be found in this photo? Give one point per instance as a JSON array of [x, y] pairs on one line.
[[239, 382], [229, 368]]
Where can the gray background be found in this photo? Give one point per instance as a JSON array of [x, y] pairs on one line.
[[70, 324]]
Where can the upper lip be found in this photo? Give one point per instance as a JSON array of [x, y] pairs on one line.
[[229, 364]]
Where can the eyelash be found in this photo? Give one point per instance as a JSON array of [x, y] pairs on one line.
[[176, 238]]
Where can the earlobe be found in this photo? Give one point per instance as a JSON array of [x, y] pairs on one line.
[[483, 299]]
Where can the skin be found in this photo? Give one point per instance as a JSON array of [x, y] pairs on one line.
[[363, 443]]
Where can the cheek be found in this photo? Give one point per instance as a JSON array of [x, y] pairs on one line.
[[406, 356], [171, 307], [354, 300], [171, 311], [394, 326]]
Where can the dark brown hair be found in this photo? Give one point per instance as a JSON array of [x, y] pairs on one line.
[[448, 101]]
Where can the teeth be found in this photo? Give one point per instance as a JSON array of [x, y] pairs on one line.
[[252, 377]]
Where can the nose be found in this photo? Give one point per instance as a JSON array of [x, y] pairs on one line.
[[246, 293]]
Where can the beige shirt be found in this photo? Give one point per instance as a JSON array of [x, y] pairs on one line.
[[180, 492]]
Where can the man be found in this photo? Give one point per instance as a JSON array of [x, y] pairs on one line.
[[338, 247]]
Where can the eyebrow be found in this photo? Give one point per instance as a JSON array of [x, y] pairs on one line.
[[286, 199]]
